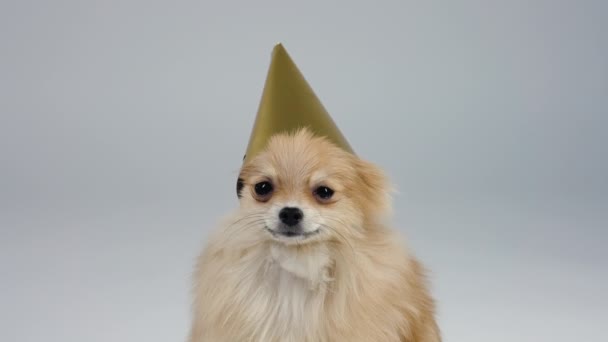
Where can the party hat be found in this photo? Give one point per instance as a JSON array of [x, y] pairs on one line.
[[288, 103]]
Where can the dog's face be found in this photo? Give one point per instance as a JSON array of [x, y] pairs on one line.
[[303, 189]]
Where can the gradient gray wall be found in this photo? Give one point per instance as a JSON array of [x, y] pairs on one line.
[[123, 124]]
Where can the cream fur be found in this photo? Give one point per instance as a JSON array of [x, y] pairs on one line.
[[353, 281]]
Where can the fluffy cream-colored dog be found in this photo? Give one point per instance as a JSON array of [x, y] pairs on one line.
[[310, 256]]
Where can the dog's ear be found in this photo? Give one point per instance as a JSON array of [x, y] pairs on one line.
[[376, 186], [244, 173], [239, 187], [240, 182]]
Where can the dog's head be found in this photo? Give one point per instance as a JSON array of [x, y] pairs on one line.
[[302, 188]]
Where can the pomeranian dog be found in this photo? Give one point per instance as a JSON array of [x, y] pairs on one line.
[[310, 256]]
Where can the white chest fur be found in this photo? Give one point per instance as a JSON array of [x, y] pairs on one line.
[[303, 266], [289, 302], [274, 293]]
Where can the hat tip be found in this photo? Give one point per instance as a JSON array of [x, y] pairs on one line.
[[278, 47]]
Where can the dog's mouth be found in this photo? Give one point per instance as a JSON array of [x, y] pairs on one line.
[[292, 233]]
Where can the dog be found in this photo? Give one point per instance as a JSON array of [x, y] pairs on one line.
[[310, 255]]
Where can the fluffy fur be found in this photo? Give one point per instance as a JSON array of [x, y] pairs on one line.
[[353, 280]]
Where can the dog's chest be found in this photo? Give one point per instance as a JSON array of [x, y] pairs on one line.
[[289, 304]]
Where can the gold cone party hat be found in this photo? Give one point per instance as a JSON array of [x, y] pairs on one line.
[[289, 103]]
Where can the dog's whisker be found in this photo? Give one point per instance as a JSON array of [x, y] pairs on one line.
[[339, 236], [246, 222]]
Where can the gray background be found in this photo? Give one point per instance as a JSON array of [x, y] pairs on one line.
[[123, 124]]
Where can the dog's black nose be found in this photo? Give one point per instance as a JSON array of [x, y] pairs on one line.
[[291, 216]]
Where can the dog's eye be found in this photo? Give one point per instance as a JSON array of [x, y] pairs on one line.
[[323, 193], [263, 189]]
